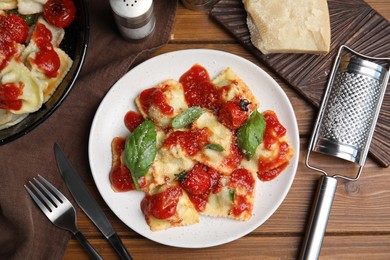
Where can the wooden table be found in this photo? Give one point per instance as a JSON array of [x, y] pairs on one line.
[[359, 224]]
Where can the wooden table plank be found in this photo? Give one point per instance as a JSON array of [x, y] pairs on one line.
[[249, 247]]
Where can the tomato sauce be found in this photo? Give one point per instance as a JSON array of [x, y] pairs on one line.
[[199, 90], [155, 97], [120, 176], [269, 169], [132, 120], [235, 157], [9, 96], [243, 179], [266, 168], [8, 48], [268, 175], [47, 60], [199, 201], [240, 205], [162, 205], [191, 141], [273, 129], [232, 116]]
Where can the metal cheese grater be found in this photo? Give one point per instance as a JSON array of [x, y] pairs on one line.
[[343, 129]]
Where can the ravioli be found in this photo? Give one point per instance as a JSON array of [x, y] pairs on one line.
[[235, 197], [236, 88], [30, 6], [50, 84], [271, 157], [8, 119], [25, 82], [174, 208], [162, 103], [8, 4], [219, 135], [31, 89], [199, 168]]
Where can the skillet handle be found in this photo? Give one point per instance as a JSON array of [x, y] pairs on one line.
[[319, 218]]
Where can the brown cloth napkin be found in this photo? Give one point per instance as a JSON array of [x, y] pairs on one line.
[[25, 232]]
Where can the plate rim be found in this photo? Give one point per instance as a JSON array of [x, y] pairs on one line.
[[295, 132]]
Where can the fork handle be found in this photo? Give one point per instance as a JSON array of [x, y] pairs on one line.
[[84, 242]]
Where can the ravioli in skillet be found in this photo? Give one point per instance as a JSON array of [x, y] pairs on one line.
[[32, 65], [200, 147]]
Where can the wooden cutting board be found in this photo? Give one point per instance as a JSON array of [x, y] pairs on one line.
[[353, 23]]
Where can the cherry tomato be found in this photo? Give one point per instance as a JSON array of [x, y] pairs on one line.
[[59, 13], [132, 120], [16, 26], [232, 116], [197, 181], [162, 205]]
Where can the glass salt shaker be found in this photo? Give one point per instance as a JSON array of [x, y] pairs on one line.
[[134, 18]]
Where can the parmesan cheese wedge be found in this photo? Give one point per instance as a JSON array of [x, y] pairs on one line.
[[289, 26]]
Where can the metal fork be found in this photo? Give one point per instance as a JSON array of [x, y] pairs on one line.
[[59, 210]]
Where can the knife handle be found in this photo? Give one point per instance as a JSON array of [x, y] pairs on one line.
[[84, 242], [117, 244]]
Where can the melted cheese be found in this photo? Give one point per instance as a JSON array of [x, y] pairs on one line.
[[169, 162], [219, 135], [221, 204]]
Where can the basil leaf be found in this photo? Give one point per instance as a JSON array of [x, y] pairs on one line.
[[30, 18], [251, 134], [187, 117], [140, 150], [215, 147], [232, 194]]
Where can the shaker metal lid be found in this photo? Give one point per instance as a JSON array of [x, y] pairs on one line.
[[364, 67], [130, 8]]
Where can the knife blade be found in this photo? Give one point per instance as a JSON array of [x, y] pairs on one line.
[[87, 203]]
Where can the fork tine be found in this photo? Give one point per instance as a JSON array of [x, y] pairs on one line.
[[54, 189], [54, 199], [37, 201], [48, 203]]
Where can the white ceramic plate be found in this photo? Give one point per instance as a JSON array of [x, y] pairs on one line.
[[108, 123]]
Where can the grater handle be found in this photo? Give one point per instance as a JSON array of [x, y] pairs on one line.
[[319, 218]]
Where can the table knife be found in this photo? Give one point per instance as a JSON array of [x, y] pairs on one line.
[[87, 203]]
